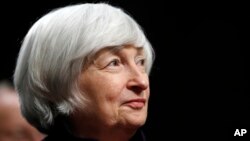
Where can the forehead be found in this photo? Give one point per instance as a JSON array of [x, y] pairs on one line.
[[115, 49]]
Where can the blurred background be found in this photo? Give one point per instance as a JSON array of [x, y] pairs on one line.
[[200, 79]]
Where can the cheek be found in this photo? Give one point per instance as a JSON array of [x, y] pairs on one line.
[[147, 95], [104, 87], [112, 89], [148, 92]]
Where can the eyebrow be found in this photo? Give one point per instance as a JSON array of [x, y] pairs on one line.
[[115, 49]]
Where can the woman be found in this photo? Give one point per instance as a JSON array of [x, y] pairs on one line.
[[82, 73]]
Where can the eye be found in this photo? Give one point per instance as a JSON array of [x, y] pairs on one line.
[[114, 62], [141, 61]]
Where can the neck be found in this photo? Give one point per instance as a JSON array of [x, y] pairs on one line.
[[91, 128]]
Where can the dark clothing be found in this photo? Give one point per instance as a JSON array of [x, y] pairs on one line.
[[60, 132], [139, 136]]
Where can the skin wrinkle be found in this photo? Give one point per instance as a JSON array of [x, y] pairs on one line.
[[109, 85]]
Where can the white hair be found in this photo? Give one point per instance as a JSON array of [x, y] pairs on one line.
[[54, 51]]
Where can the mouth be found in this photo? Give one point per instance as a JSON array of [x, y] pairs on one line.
[[138, 103]]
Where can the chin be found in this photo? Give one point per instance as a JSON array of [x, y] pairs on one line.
[[132, 118], [136, 121]]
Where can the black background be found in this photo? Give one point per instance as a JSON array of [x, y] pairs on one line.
[[200, 79]]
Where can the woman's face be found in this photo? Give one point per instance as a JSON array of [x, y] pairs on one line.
[[117, 86]]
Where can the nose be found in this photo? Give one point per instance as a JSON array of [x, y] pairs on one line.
[[138, 80]]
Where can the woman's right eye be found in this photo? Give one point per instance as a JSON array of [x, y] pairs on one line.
[[114, 62]]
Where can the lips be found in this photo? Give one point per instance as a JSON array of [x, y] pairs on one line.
[[135, 103]]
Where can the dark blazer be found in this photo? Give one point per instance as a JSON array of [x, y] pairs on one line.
[[60, 132], [139, 136]]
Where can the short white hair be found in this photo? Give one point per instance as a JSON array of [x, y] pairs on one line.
[[54, 51]]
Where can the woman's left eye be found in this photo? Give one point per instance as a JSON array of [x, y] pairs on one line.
[[141, 62]]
